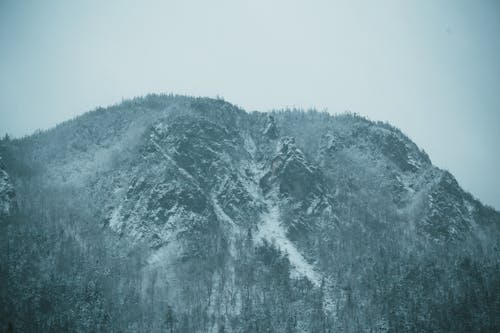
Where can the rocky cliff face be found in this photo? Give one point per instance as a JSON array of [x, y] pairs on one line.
[[215, 205]]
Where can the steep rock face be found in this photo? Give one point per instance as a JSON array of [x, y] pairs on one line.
[[189, 160], [190, 170], [249, 221], [271, 131], [385, 168], [449, 210], [300, 187]]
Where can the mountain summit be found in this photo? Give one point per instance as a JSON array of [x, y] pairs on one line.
[[180, 214]]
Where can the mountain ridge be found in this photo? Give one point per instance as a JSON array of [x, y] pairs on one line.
[[201, 191]]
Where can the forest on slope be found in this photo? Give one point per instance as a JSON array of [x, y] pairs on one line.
[[180, 214]]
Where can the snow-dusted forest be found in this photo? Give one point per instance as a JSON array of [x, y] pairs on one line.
[[178, 214]]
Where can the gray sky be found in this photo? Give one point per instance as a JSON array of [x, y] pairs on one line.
[[431, 68]]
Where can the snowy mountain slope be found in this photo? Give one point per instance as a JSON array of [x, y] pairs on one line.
[[228, 220]]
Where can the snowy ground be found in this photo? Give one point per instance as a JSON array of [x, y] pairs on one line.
[[270, 227], [272, 231]]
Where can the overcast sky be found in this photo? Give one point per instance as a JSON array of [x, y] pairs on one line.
[[431, 68]]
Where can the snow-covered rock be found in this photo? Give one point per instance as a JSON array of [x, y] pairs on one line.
[[202, 188]]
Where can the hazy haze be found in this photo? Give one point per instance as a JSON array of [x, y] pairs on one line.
[[431, 68]]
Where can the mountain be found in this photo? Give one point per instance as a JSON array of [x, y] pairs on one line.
[[181, 214]]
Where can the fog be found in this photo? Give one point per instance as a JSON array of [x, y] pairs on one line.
[[430, 68]]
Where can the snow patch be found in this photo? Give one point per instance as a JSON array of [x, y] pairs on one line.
[[163, 256], [272, 231], [221, 215], [270, 228], [249, 145], [115, 220]]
